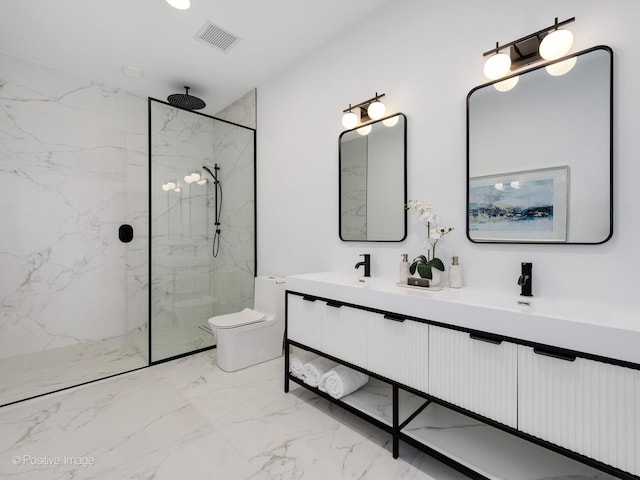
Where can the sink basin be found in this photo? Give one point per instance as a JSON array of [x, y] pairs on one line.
[[600, 329]]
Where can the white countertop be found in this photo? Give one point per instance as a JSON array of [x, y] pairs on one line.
[[611, 331]]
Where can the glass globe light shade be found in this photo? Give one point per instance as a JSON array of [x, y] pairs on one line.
[[561, 68], [497, 66], [202, 182], [349, 120], [177, 189], [376, 110], [506, 85], [188, 179], [391, 121], [364, 130], [171, 185], [556, 44], [180, 4], [499, 186], [195, 177], [165, 187], [515, 184]]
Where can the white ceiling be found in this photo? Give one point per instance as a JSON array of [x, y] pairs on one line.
[[96, 38]]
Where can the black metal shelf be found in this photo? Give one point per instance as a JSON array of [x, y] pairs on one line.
[[397, 428], [387, 427], [393, 427]]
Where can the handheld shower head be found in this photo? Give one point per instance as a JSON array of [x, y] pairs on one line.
[[210, 172], [218, 208]]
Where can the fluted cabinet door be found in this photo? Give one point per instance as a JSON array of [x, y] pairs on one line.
[[398, 349], [304, 321], [344, 333], [474, 373], [589, 407]]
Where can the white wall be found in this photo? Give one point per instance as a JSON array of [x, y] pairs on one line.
[[426, 56]]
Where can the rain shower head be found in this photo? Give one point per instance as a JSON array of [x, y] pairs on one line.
[[186, 101]]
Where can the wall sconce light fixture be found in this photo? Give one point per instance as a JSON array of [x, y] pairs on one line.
[[371, 109], [364, 130], [497, 65], [391, 121], [549, 43]]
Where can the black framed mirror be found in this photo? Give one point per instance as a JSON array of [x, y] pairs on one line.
[[540, 154], [373, 181]]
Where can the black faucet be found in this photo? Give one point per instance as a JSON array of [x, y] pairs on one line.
[[367, 264], [525, 279]]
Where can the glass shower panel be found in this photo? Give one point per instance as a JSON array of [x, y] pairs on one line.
[[234, 271], [202, 230]]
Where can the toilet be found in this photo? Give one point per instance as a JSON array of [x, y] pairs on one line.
[[253, 335]]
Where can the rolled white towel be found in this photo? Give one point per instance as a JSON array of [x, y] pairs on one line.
[[341, 381], [314, 369], [297, 361]]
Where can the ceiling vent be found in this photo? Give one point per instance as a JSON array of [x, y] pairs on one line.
[[215, 36]]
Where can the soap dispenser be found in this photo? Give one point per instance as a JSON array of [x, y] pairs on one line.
[[455, 274], [404, 269]]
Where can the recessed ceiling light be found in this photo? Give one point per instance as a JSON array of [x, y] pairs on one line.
[[132, 72], [180, 4]]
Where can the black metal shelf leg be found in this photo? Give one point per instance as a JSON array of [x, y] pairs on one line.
[[395, 431]]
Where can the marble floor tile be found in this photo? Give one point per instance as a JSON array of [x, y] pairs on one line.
[[189, 419], [26, 376]]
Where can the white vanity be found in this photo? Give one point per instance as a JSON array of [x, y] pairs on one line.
[[563, 375]]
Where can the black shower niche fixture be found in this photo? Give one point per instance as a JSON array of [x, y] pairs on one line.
[[186, 101], [125, 233]]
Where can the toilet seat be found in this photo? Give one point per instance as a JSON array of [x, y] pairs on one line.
[[238, 319]]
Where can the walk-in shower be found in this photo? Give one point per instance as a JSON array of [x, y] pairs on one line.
[[84, 288], [73, 291], [202, 249]]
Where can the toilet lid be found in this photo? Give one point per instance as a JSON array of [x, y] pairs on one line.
[[238, 319]]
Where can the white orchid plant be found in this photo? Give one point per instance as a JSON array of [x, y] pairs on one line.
[[423, 264]]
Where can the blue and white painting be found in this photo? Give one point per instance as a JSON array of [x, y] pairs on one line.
[[521, 206]]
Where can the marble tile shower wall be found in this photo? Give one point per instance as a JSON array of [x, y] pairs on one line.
[[183, 221], [72, 169]]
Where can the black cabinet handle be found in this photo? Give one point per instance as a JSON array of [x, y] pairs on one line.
[[395, 318], [486, 337], [560, 355], [334, 304], [309, 298]]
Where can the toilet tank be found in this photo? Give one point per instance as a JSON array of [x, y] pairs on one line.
[[269, 295]]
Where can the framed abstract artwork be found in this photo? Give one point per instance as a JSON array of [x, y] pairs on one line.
[[525, 206]]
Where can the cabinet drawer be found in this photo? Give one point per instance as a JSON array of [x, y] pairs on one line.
[[476, 372], [590, 407], [397, 348], [304, 320], [344, 333]]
